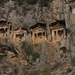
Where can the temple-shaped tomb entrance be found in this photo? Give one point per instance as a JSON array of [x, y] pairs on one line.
[[4, 28], [38, 33], [19, 35], [58, 31]]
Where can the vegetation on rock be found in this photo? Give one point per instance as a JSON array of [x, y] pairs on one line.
[[73, 60], [46, 71], [1, 57], [3, 1], [31, 1], [28, 50], [41, 2], [35, 55]]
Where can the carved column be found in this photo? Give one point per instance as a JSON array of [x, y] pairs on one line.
[[57, 36], [64, 33], [36, 39], [53, 35], [33, 38]]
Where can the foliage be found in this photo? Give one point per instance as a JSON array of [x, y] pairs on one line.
[[68, 31], [46, 71], [11, 73], [24, 7], [3, 1], [35, 55], [43, 2], [73, 59], [1, 57], [28, 50], [16, 71], [31, 1], [20, 2], [12, 49], [69, 70]]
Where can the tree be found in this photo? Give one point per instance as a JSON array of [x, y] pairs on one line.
[[73, 60], [2, 56], [28, 50], [19, 2], [3, 1], [35, 55], [31, 1], [46, 71], [43, 2]]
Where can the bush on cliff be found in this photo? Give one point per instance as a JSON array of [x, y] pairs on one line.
[[46, 71]]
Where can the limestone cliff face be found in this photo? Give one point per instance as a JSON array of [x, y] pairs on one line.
[[52, 54]]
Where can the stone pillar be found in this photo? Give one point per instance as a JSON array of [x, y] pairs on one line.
[[8, 33], [53, 35], [36, 37], [57, 36], [33, 38], [14, 38], [4, 33], [45, 37]]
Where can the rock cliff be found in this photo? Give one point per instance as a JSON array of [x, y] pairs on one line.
[[28, 59]]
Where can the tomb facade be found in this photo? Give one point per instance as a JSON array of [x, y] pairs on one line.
[[57, 31], [38, 33], [18, 35], [4, 28]]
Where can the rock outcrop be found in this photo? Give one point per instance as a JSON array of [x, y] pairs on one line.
[[56, 54]]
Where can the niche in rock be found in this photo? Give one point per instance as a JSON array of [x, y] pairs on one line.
[[40, 35], [60, 32]]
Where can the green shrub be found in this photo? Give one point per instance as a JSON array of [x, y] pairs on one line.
[[24, 8], [43, 2], [73, 60], [31, 1], [11, 73], [16, 71], [35, 55], [46, 71], [28, 50], [1, 57], [3, 1], [19, 2]]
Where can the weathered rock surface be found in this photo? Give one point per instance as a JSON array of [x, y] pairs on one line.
[[57, 55]]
